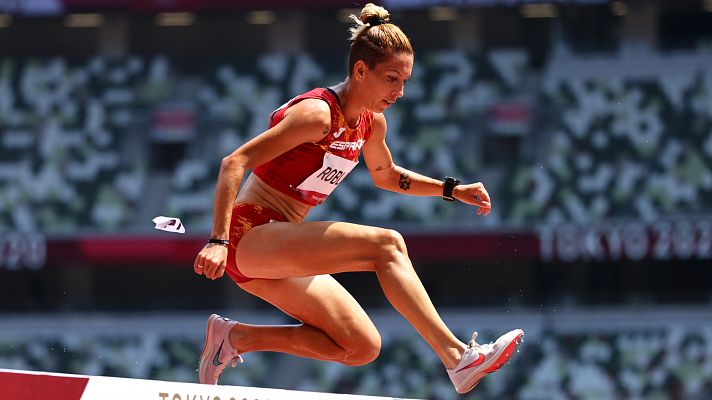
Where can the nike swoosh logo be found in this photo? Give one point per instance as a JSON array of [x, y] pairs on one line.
[[216, 360], [480, 359], [337, 134]]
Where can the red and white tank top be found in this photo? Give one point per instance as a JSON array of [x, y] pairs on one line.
[[311, 171]]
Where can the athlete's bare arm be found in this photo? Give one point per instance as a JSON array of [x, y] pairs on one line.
[[387, 175], [307, 121]]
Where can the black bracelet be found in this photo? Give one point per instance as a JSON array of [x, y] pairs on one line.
[[219, 241], [449, 184]]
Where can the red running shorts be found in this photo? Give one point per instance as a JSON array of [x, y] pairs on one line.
[[245, 217]]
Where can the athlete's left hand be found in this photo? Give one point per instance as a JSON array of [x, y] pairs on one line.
[[474, 194], [211, 261]]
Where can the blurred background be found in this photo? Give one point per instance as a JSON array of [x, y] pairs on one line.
[[589, 121]]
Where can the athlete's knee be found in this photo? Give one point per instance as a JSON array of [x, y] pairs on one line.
[[391, 249], [391, 241], [363, 352]]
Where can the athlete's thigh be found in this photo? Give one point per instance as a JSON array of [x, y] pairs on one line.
[[319, 301], [283, 249]]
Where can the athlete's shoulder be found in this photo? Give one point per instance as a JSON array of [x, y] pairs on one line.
[[311, 110], [379, 125]]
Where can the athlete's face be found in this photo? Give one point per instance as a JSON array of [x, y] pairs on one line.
[[385, 81]]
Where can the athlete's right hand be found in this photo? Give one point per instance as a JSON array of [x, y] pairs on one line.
[[211, 261]]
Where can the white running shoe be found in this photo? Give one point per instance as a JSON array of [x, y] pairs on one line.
[[217, 353], [482, 359]]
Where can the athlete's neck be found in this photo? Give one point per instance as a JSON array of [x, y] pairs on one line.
[[348, 100]]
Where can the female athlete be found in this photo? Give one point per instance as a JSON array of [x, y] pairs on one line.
[[261, 240]]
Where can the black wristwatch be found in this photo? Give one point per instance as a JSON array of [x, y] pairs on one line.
[[449, 184]]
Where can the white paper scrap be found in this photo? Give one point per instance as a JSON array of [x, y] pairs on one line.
[[169, 224]]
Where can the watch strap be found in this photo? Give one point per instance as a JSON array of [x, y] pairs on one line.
[[449, 184]]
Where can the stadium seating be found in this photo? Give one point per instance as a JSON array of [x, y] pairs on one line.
[[63, 127], [607, 145], [619, 146]]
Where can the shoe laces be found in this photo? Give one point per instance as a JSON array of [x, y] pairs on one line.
[[472, 345]]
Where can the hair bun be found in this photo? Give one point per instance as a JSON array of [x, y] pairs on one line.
[[371, 15], [374, 20]]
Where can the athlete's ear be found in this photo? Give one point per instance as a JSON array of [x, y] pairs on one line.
[[360, 69]]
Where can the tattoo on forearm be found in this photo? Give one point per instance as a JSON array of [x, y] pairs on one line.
[[380, 168], [404, 181]]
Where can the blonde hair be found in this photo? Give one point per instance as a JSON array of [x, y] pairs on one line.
[[375, 38]]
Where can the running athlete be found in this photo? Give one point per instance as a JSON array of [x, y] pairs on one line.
[[261, 240]]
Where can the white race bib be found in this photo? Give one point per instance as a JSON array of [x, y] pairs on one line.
[[331, 173]]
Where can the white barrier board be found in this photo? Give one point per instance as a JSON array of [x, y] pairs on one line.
[[29, 385]]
